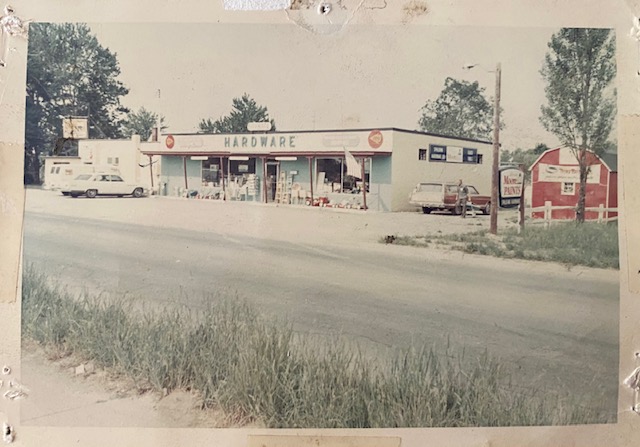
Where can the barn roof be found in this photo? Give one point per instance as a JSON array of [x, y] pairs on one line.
[[611, 160], [608, 158]]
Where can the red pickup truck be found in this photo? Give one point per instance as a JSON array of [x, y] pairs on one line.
[[444, 196]]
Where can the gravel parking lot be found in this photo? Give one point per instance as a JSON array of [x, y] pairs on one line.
[[285, 222]]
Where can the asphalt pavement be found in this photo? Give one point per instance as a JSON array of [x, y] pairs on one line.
[[554, 328]]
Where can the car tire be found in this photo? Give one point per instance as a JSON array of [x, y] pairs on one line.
[[426, 210], [137, 193], [74, 195], [487, 208], [456, 210], [91, 193]]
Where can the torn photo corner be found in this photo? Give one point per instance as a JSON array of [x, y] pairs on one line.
[[633, 380]]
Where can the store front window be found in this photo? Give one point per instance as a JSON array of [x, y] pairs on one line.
[[242, 166], [331, 175], [211, 172], [242, 183]]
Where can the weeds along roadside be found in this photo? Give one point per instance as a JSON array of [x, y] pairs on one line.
[[255, 369], [588, 244]]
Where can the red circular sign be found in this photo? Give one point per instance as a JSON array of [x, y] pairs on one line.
[[375, 139], [170, 141]]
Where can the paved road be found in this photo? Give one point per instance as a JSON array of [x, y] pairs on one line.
[[555, 328]]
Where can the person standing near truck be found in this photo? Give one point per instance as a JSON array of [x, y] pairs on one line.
[[463, 197]]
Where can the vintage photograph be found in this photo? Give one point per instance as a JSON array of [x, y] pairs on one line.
[[258, 226]]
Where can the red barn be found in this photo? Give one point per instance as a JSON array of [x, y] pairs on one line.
[[555, 178]]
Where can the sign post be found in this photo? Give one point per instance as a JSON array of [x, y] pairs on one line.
[[522, 204]]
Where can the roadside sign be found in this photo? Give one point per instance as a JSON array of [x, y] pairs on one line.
[[511, 180], [75, 127], [170, 141], [259, 126]]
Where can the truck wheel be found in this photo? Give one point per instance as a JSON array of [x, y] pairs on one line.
[[426, 210], [487, 208], [91, 193]]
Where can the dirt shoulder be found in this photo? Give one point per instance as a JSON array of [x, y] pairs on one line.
[[79, 395]]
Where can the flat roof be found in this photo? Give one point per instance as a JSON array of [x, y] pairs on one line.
[[395, 129]]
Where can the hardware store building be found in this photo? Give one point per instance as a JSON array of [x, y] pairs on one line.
[[313, 167]]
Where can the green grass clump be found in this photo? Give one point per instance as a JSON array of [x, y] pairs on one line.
[[588, 244], [258, 370]]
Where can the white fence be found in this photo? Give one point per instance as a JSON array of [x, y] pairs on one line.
[[547, 209]]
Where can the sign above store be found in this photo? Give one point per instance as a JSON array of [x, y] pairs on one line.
[[340, 140], [264, 126], [276, 143], [266, 141], [375, 139]]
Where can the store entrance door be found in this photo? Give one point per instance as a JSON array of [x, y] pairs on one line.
[[273, 170]]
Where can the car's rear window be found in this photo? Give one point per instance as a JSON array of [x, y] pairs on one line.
[[430, 187], [83, 177]]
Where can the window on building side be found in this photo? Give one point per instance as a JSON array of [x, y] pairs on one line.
[[451, 154], [568, 188], [437, 153], [470, 155], [422, 154]]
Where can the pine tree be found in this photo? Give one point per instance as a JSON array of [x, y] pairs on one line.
[[244, 111]]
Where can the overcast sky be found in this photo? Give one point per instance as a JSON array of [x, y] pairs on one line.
[[364, 77]]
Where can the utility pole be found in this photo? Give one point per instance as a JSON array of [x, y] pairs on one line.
[[495, 172]]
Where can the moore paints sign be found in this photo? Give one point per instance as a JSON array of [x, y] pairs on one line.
[[511, 180]]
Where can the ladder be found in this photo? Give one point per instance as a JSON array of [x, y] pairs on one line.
[[281, 187], [287, 189]]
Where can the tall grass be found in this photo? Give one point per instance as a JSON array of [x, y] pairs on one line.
[[569, 243], [259, 370]]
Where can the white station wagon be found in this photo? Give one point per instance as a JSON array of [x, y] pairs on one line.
[[102, 184]]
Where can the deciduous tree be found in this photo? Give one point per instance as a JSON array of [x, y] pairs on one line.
[[525, 157], [70, 74], [142, 123], [461, 110], [579, 69]]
